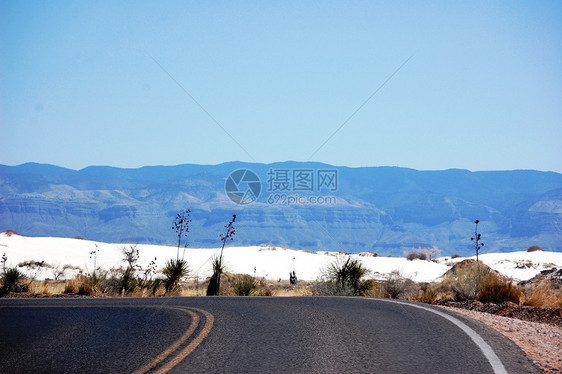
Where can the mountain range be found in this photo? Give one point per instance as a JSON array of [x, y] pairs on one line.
[[303, 205]]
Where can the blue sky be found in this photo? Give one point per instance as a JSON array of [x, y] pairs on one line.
[[86, 83]]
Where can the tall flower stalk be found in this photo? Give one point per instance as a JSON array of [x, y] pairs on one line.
[[218, 267], [476, 240], [181, 226]]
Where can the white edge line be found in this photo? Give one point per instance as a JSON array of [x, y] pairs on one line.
[[493, 359]]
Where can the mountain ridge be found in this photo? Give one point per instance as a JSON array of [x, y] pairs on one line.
[[382, 209]]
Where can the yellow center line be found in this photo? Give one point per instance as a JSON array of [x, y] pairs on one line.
[[162, 356], [209, 320]]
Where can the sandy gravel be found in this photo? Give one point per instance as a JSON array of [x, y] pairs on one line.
[[540, 341]]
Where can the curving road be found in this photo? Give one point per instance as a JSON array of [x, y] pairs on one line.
[[246, 335]]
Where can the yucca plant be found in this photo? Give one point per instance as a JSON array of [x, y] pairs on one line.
[[347, 273], [341, 278], [12, 281], [173, 272], [214, 285]]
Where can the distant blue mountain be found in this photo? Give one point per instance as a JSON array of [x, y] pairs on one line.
[[387, 210]]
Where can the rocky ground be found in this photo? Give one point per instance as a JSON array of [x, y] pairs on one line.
[[537, 331], [552, 316]]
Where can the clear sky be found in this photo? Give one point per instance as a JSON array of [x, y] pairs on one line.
[[97, 83]]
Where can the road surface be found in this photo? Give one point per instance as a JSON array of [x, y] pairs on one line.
[[246, 335]]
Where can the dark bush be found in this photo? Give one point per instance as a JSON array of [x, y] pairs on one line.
[[534, 248], [394, 285]]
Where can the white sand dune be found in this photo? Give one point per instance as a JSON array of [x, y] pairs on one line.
[[264, 261]]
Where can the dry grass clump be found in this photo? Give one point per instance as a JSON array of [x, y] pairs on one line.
[[498, 289], [426, 294], [543, 294], [47, 287]]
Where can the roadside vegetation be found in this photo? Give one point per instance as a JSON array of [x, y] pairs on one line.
[[466, 282], [469, 283]]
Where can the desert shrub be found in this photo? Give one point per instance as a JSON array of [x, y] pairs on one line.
[[469, 280], [128, 280], [366, 287], [11, 232], [330, 288], [263, 292], [174, 271], [113, 282], [131, 255], [244, 285], [534, 248], [93, 284], [426, 294], [13, 281], [70, 286], [96, 284], [543, 294], [394, 285], [497, 289], [345, 274], [262, 289], [215, 282], [151, 285], [423, 254], [31, 264]]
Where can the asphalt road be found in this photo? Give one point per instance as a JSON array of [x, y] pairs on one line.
[[246, 335]]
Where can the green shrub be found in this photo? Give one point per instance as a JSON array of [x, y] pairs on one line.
[[244, 285]]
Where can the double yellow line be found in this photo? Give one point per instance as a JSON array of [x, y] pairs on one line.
[[209, 320], [179, 356]]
